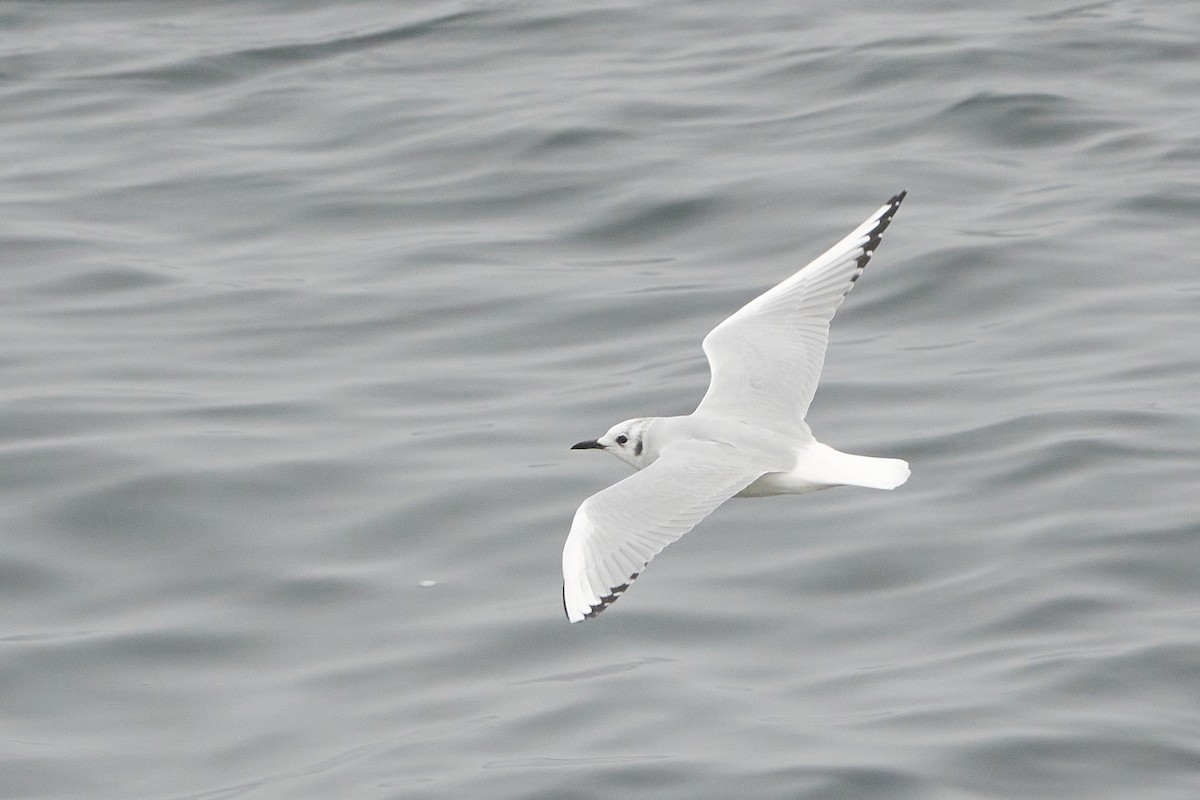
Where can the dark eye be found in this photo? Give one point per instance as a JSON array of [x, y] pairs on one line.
[[622, 439]]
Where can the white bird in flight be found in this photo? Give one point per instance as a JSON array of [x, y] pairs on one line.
[[747, 438]]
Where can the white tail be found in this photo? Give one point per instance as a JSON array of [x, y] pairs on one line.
[[820, 463]]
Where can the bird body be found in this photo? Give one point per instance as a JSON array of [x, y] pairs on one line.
[[747, 438]]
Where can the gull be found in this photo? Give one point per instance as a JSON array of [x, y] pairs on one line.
[[747, 438]]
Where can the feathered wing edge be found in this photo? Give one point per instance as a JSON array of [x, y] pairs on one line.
[[617, 531], [790, 321], [864, 239]]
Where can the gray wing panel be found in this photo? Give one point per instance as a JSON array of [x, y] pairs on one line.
[[766, 359], [618, 530]]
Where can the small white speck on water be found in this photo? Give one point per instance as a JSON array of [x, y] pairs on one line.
[[427, 584]]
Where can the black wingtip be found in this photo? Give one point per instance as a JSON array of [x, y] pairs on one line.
[[893, 204], [605, 601], [611, 597], [875, 235]]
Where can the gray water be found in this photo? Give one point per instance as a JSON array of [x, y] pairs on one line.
[[302, 305]]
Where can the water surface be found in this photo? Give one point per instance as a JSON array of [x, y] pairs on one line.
[[303, 306]]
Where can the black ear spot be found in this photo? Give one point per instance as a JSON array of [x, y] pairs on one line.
[[637, 451]]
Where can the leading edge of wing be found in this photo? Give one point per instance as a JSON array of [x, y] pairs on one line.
[[618, 530]]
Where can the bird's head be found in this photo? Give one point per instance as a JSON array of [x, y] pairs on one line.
[[628, 441]]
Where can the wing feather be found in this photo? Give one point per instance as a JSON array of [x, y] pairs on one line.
[[618, 530], [766, 359]]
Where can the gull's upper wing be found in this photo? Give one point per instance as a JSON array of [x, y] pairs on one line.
[[618, 530], [766, 359]]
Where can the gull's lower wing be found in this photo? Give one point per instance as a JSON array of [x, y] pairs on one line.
[[618, 530], [766, 359]]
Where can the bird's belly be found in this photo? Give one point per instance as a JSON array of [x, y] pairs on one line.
[[781, 483]]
